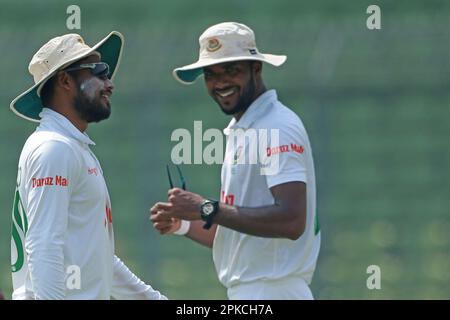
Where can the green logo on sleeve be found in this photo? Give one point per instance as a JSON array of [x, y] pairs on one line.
[[19, 229], [316, 225]]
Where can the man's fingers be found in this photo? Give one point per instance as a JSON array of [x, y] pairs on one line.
[[165, 230], [174, 191], [160, 216], [162, 225], [166, 225], [160, 206]]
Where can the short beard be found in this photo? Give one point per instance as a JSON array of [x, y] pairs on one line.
[[89, 110], [245, 100]]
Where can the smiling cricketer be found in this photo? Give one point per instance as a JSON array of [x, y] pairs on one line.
[[62, 244]]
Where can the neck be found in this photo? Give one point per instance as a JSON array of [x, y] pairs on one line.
[[79, 124], [258, 92], [70, 113]]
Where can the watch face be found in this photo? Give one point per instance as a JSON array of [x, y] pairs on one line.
[[208, 208]]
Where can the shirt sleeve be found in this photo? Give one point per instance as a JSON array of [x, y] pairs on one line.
[[286, 156], [127, 286], [51, 172]]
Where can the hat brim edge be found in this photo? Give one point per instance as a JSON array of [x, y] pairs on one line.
[[35, 87], [275, 60]]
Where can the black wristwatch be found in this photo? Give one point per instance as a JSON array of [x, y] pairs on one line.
[[208, 210]]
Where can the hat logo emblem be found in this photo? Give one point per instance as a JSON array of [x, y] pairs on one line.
[[213, 45]]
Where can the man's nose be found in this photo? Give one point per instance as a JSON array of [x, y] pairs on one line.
[[221, 82], [109, 85]]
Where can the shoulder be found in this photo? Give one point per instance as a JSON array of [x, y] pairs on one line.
[[50, 147], [283, 119]]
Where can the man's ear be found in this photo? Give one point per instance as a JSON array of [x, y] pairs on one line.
[[257, 67], [65, 81]]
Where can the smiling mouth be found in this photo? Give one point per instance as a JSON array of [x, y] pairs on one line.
[[106, 96], [223, 93]]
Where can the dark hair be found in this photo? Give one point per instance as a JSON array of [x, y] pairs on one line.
[[47, 91]]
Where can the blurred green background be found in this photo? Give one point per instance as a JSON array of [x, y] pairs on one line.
[[375, 104]]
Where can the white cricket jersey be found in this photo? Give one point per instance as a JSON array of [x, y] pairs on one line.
[[62, 244], [241, 258]]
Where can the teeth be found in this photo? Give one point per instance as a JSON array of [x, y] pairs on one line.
[[226, 93]]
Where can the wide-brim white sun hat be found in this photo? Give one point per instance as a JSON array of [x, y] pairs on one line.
[[225, 42], [56, 55]]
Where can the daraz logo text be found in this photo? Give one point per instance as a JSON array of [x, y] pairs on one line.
[[49, 181]]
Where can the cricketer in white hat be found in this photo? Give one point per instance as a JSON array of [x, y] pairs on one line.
[[225, 42], [62, 242], [56, 55], [264, 231]]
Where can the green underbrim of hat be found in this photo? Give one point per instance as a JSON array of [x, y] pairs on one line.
[[189, 76], [30, 104]]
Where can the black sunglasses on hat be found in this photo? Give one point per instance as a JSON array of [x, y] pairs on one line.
[[97, 68]]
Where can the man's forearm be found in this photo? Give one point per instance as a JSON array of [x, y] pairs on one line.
[[286, 218], [273, 221]]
